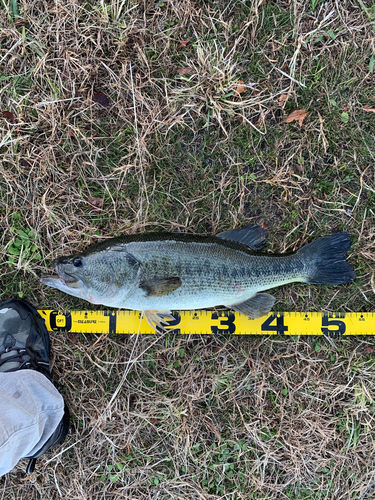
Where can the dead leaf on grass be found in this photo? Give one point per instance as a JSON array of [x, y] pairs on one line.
[[185, 71], [366, 108], [283, 99], [298, 115], [9, 116], [96, 203], [101, 99], [241, 89], [300, 168], [25, 163], [183, 43]]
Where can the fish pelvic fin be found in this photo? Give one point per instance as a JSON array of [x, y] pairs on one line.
[[253, 236], [256, 306], [325, 260], [158, 319], [159, 286]]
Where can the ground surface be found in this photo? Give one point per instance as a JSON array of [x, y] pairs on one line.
[[123, 116]]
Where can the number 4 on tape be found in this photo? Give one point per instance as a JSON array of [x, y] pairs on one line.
[[274, 323]]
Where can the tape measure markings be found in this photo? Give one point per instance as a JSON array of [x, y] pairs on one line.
[[203, 322]]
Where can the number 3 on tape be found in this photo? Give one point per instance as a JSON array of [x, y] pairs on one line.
[[226, 324]]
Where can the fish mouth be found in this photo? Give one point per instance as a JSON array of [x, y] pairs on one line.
[[61, 277], [66, 280]]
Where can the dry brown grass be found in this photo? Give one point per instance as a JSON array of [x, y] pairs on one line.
[[175, 143]]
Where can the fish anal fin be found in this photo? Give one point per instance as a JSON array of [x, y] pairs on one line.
[[256, 306], [253, 236], [159, 286], [158, 318]]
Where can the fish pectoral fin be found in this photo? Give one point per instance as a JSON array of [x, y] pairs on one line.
[[157, 287], [253, 236], [158, 318], [256, 307]]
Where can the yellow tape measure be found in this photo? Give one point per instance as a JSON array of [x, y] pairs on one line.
[[202, 322]]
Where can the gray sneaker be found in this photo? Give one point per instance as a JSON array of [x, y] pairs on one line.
[[24, 340], [24, 344]]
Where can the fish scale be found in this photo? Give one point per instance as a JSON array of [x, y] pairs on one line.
[[206, 280]]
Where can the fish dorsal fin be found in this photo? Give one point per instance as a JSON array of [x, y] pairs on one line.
[[253, 236], [256, 307], [159, 286]]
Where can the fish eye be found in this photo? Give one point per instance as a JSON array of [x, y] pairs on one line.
[[77, 262]]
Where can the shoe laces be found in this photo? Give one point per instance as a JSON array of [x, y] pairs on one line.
[[18, 356]]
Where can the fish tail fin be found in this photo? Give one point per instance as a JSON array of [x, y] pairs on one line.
[[325, 260]]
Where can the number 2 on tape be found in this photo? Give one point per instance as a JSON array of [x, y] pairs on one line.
[[172, 322]]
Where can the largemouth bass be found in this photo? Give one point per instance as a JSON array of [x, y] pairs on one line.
[[159, 272]]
